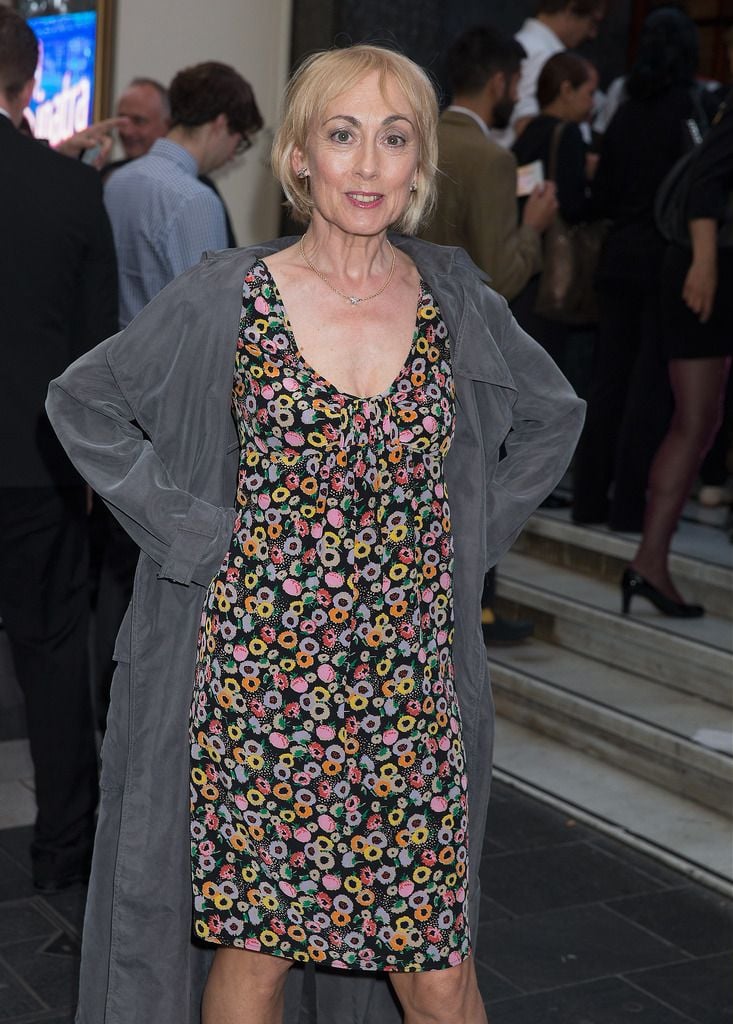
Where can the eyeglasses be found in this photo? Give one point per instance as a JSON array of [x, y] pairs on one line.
[[242, 146]]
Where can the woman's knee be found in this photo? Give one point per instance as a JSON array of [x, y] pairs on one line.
[[259, 974], [439, 996]]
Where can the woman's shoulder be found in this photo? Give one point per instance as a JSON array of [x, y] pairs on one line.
[[432, 259]]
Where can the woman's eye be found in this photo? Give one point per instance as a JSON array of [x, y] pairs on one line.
[[341, 135], [395, 140]]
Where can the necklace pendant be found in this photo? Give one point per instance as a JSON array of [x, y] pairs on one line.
[[354, 300]]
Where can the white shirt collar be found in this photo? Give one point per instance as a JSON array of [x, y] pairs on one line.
[[5, 113], [472, 114], [538, 32]]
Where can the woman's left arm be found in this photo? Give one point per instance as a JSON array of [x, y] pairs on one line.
[[547, 418], [701, 282]]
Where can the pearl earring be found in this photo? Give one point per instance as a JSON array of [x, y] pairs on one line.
[[413, 187], [303, 172]]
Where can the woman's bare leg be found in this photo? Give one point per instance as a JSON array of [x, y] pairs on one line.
[[245, 988], [450, 996], [698, 386]]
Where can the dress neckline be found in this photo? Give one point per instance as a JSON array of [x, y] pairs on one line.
[[313, 372]]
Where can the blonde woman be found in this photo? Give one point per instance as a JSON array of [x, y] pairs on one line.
[[303, 438]]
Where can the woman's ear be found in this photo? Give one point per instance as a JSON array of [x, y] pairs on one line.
[[298, 161], [566, 90]]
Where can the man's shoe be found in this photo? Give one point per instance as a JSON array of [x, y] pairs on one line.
[[499, 631], [49, 884], [53, 872], [556, 500]]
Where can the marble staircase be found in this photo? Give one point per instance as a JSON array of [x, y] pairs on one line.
[[627, 719]]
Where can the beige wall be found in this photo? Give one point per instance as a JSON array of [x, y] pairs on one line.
[[158, 37]]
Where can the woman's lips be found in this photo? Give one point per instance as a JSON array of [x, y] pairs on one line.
[[365, 200]]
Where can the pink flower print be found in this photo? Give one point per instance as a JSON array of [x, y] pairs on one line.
[[335, 517], [262, 306]]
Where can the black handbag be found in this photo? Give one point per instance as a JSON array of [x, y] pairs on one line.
[[670, 203]]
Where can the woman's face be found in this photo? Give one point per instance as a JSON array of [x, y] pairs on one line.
[[580, 100], [362, 157]]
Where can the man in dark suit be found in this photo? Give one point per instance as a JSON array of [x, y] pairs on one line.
[[58, 298]]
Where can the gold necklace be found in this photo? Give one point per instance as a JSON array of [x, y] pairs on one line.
[[353, 299]]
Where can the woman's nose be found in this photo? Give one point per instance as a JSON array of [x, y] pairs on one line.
[[367, 160]]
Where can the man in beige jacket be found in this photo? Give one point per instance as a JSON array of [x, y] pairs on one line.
[[477, 201], [477, 197]]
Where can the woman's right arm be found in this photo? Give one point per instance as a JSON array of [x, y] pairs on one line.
[[117, 408]]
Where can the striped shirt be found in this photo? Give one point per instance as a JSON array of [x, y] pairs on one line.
[[163, 218]]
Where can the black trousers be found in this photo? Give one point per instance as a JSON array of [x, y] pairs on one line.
[[629, 409], [44, 604]]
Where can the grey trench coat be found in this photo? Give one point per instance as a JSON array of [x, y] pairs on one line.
[[146, 419]]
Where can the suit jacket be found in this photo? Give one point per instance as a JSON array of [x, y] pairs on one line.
[[477, 205], [58, 296]]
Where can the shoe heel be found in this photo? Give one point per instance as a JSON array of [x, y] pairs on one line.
[[626, 593]]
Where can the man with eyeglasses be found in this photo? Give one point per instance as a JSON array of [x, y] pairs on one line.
[[162, 216]]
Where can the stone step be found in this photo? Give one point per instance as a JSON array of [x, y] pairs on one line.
[[701, 563], [582, 614], [679, 832], [665, 736]]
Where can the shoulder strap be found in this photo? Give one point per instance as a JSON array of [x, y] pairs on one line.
[[554, 146]]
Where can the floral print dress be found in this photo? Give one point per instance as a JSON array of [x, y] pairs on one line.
[[328, 786]]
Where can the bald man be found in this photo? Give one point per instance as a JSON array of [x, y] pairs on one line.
[[145, 105]]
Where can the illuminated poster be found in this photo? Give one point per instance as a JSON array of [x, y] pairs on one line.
[[63, 96]]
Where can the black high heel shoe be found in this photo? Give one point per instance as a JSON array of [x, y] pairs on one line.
[[633, 583]]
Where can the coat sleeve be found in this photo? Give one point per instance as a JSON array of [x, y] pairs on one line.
[[107, 409], [547, 418]]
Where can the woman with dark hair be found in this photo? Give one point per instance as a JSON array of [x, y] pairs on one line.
[[565, 95], [697, 323], [629, 400]]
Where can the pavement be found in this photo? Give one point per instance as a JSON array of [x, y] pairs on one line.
[[576, 928]]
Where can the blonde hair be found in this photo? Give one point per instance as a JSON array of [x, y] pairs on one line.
[[323, 76]]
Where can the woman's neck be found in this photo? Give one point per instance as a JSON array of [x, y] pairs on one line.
[[336, 252]]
